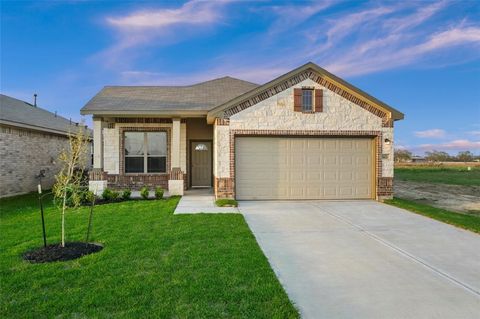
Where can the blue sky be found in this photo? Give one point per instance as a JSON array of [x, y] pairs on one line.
[[421, 57]]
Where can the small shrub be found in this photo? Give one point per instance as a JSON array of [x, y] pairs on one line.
[[107, 194], [144, 192], [127, 193], [158, 193], [226, 202], [115, 195], [88, 197]]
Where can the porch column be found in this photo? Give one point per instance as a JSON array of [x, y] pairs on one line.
[[98, 125], [97, 177], [175, 182], [175, 143]]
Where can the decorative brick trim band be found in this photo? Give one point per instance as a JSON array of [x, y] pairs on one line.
[[377, 135], [142, 120], [137, 181], [299, 78], [223, 187], [176, 174], [122, 130], [385, 187], [146, 120], [219, 121], [97, 174]]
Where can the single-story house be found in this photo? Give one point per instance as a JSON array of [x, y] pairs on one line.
[[304, 135], [31, 139]]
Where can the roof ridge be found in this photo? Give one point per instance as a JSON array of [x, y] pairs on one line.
[[179, 86]]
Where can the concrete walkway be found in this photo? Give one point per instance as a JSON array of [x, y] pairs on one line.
[[363, 259], [200, 201]]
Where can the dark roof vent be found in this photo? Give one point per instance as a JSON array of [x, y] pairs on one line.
[[35, 100]]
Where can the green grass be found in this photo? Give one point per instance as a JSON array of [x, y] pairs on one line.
[[441, 175], [154, 265], [226, 202], [469, 222]]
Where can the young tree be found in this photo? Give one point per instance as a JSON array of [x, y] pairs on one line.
[[402, 155], [68, 187], [466, 156]]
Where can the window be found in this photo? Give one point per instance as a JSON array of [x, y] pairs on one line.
[[201, 147], [307, 100], [145, 152]]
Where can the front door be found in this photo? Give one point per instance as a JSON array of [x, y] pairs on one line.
[[201, 164]]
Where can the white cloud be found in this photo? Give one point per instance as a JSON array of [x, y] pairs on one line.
[[394, 51], [373, 38], [433, 133], [191, 13], [455, 145], [293, 15], [388, 37], [146, 27], [474, 133]]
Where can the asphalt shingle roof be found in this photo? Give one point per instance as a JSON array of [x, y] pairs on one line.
[[198, 97], [14, 111]]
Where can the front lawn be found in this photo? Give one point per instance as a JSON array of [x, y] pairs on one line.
[[154, 265], [444, 175], [470, 222]]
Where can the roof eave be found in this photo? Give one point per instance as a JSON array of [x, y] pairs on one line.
[[215, 112], [134, 113], [39, 128]]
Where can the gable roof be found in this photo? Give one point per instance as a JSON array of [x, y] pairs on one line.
[[19, 113], [166, 100], [310, 66]]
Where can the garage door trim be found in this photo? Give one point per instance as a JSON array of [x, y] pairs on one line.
[[376, 147]]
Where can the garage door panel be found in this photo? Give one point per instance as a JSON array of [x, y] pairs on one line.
[[303, 168]]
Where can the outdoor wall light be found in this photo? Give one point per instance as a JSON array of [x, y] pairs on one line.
[[388, 142]]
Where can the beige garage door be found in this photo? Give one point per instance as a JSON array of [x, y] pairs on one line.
[[303, 168]]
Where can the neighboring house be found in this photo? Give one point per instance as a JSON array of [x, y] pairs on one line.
[[304, 135], [418, 159], [31, 139]]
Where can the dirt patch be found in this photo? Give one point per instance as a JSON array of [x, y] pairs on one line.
[[56, 252], [462, 199]]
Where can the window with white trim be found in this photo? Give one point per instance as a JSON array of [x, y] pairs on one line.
[[145, 152]]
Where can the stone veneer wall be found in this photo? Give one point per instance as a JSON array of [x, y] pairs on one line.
[[111, 144], [23, 153], [111, 148], [276, 113]]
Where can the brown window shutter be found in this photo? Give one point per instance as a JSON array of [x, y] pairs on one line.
[[318, 100], [297, 100]]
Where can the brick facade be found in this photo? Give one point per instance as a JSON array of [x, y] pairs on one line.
[[23, 154], [225, 187]]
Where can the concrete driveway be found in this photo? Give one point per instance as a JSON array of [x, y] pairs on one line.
[[364, 259]]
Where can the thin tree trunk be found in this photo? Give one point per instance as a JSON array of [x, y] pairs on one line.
[[63, 216]]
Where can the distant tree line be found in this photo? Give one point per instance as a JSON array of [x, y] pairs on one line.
[[436, 156]]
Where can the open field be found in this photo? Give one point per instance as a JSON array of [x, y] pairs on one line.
[[453, 188], [469, 222], [453, 175], [154, 265]]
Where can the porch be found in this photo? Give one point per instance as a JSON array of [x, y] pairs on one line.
[[173, 153]]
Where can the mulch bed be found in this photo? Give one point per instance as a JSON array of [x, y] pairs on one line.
[[56, 252]]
